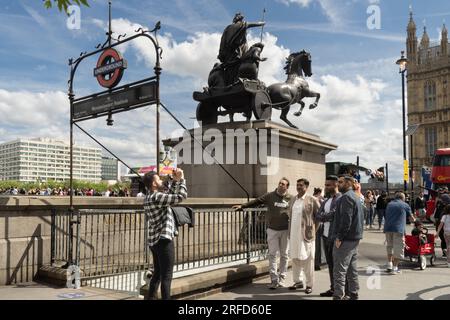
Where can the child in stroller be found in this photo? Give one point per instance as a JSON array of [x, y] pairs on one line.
[[420, 231]]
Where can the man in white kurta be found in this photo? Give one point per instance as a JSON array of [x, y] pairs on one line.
[[302, 211], [302, 252]]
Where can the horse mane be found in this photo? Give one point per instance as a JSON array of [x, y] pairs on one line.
[[290, 60]]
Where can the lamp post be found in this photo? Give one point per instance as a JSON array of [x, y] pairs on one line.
[[402, 63], [410, 132]]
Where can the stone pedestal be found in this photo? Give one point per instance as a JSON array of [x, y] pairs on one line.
[[256, 153]]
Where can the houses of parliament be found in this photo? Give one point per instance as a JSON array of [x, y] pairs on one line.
[[428, 77]]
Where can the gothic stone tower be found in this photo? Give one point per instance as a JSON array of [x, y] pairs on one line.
[[428, 93]]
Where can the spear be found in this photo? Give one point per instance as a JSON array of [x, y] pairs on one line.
[[262, 27]]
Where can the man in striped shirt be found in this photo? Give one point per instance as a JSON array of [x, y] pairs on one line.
[[161, 228]]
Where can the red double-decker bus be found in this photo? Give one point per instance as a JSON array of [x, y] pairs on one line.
[[440, 172], [440, 177]]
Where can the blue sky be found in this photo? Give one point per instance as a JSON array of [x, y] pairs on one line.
[[354, 67]]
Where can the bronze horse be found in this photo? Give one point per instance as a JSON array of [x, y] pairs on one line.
[[295, 88]]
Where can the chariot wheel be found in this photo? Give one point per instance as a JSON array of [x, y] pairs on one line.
[[262, 106], [206, 113]]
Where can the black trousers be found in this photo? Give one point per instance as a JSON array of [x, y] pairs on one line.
[[328, 248], [441, 236], [163, 260]]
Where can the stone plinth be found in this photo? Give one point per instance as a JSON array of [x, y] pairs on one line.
[[256, 153]]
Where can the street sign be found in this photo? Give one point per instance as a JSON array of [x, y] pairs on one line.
[[412, 128], [140, 95], [110, 68], [405, 170]]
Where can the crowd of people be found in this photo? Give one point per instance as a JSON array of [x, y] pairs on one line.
[[293, 223], [343, 215], [110, 192]]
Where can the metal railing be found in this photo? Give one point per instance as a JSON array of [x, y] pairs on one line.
[[110, 248]]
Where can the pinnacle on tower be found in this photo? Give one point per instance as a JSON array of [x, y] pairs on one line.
[[425, 42]]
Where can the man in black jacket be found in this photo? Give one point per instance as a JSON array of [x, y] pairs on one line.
[[348, 226], [325, 215]]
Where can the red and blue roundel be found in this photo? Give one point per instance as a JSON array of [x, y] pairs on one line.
[[110, 68]]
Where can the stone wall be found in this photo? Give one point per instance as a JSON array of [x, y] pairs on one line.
[[25, 228]]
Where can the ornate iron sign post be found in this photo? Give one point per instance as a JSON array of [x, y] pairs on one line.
[[109, 71]]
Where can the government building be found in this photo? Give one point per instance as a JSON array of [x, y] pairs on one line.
[[43, 159], [428, 93]]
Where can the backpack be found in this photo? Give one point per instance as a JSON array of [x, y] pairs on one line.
[[183, 215]]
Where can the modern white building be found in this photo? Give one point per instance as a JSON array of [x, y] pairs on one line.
[[43, 159]]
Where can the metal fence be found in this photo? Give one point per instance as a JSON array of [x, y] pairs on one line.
[[109, 246]]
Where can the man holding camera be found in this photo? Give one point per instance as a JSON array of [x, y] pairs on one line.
[[161, 228]]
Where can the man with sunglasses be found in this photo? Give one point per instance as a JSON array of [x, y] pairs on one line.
[[277, 223]]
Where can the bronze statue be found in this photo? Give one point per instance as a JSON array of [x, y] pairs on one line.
[[234, 87], [233, 45], [249, 66], [295, 88]]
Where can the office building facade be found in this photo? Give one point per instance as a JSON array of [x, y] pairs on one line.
[[43, 159]]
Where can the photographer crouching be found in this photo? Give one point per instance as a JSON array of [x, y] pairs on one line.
[[161, 228]]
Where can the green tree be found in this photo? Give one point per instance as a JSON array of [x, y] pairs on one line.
[[64, 4]]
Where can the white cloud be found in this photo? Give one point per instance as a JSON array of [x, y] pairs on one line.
[[195, 56], [334, 10], [340, 29], [354, 115], [24, 108], [351, 114], [35, 15], [303, 3]]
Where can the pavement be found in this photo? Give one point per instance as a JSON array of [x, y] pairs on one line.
[[433, 283], [41, 291]]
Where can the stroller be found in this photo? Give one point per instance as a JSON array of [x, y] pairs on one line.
[[414, 249]]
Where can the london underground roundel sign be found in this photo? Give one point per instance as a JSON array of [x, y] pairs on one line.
[[110, 68]]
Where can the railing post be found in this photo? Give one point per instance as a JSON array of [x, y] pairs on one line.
[[249, 219], [77, 252], [53, 237], [70, 242]]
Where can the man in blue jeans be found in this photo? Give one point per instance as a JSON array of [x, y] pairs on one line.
[[348, 226], [162, 229]]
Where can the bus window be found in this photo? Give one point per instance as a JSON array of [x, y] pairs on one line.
[[441, 161]]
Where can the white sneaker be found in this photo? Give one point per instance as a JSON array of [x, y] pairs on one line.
[[396, 271]]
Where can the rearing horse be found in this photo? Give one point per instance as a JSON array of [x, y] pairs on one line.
[[285, 94]]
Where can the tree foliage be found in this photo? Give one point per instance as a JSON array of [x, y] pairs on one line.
[[64, 4]]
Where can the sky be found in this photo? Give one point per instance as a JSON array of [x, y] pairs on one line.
[[353, 64]]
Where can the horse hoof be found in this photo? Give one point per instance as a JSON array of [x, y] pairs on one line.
[[298, 114], [313, 106]]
